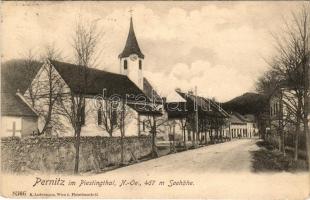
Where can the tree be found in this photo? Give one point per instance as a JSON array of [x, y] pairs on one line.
[[302, 23], [154, 124], [113, 114], [45, 89], [293, 62], [290, 66], [109, 114], [53, 90], [33, 90], [183, 124], [73, 106]]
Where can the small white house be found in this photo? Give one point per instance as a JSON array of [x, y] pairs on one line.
[[18, 118]]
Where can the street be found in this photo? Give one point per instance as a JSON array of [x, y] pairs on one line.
[[217, 171], [224, 157]]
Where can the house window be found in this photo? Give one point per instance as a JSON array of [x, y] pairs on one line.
[[125, 64], [140, 64], [99, 117]]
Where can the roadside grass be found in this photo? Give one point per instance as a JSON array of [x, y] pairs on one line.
[[269, 159]]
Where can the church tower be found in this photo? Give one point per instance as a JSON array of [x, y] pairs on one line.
[[131, 59]]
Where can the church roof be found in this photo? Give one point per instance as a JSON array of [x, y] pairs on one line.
[[18, 74], [146, 109], [176, 110], [150, 92], [203, 105], [236, 118], [249, 117], [132, 46], [97, 80]]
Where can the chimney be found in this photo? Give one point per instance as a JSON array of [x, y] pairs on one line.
[[178, 90]]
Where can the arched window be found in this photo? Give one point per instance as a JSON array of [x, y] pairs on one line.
[[125, 64], [143, 125], [140, 64], [114, 117], [99, 117], [275, 109]]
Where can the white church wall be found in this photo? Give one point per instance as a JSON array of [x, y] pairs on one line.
[[91, 127], [40, 86]]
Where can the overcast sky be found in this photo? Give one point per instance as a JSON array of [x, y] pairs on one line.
[[218, 46]]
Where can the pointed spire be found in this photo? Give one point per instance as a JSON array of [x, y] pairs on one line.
[[132, 46]]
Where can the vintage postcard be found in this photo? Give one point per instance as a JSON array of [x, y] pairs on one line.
[[155, 99]]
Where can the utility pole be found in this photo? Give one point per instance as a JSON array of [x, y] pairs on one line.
[[122, 131], [306, 102], [196, 114], [282, 145], [229, 128]]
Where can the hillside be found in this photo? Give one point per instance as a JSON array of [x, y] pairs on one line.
[[248, 103]]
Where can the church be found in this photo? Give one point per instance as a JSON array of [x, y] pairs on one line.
[[143, 104]]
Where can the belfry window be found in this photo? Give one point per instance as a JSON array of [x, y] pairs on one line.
[[140, 64], [125, 64]]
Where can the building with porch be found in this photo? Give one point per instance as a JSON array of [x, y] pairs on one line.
[[198, 120], [242, 126]]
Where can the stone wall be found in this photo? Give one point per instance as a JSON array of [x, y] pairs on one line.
[[57, 155]]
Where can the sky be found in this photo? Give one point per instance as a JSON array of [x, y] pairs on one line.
[[220, 47]]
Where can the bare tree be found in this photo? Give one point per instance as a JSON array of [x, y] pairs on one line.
[[155, 124], [293, 62], [302, 22], [182, 122], [85, 45], [291, 67], [29, 64], [109, 115], [53, 90], [45, 89], [268, 83]]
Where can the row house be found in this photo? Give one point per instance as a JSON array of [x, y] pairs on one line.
[[242, 126]]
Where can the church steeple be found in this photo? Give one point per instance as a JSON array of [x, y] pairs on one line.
[[132, 46], [131, 59]]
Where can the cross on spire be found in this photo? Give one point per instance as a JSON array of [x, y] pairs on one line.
[[130, 11], [131, 46]]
